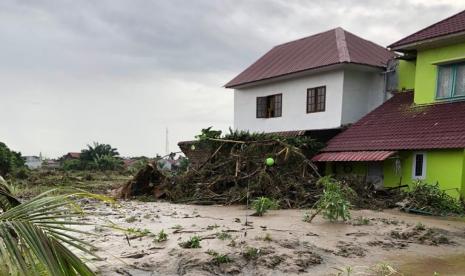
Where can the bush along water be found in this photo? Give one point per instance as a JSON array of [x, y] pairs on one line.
[[430, 199]]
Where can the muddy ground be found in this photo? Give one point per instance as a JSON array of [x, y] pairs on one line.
[[278, 243]]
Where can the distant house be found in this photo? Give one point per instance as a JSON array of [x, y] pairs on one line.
[[51, 164], [33, 162], [419, 134], [320, 82], [71, 156]]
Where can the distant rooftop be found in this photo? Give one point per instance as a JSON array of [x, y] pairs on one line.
[[332, 47], [454, 24]]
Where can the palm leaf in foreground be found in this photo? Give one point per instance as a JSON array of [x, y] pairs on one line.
[[37, 235]]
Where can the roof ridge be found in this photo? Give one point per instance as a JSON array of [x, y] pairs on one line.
[[305, 37], [425, 28], [341, 44]]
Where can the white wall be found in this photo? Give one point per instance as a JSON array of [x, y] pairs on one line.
[[294, 101], [363, 92]]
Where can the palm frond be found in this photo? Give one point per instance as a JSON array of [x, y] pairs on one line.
[[39, 234], [7, 200]]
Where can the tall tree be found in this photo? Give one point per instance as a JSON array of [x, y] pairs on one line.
[[9, 160], [97, 150]]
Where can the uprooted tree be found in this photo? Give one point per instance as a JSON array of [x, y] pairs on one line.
[[235, 165]]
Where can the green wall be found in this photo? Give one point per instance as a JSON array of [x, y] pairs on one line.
[[426, 72], [443, 166], [447, 167], [406, 74], [391, 179]]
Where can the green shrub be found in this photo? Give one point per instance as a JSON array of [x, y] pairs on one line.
[[161, 236], [219, 258], [334, 202], [430, 197], [251, 253], [72, 165], [223, 236], [263, 204], [192, 242]]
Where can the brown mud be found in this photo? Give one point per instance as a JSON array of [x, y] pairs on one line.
[[278, 243]]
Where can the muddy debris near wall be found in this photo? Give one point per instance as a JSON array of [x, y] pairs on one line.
[[235, 166]]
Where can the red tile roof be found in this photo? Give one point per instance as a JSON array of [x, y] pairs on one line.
[[353, 156], [399, 125], [328, 48], [74, 154], [451, 25]]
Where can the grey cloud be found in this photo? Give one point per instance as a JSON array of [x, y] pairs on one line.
[[120, 71]]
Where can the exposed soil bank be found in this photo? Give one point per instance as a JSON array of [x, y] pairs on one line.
[[277, 243]]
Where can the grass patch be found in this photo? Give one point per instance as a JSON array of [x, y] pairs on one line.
[[361, 221], [251, 253], [161, 236], [223, 236], [192, 242], [263, 204], [219, 258]]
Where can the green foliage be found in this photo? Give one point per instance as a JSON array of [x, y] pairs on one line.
[[139, 232], [36, 236], [419, 227], [334, 202], [267, 237], [234, 165], [183, 164], [219, 258], [9, 160], [361, 221], [192, 242], [22, 173], [429, 197], [107, 163], [212, 226], [72, 165], [251, 253], [98, 150], [307, 217], [223, 236], [161, 236], [138, 165], [263, 204], [208, 133], [98, 157]]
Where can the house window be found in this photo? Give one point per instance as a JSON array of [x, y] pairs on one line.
[[269, 106], [451, 81], [419, 166], [316, 99]]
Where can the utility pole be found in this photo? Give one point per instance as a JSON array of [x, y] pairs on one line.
[[167, 144]]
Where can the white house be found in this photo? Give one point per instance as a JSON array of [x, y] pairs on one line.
[[33, 162], [319, 82]]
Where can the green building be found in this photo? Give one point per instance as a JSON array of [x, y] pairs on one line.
[[419, 133]]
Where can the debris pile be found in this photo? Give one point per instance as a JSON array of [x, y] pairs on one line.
[[429, 199], [238, 164], [233, 168]]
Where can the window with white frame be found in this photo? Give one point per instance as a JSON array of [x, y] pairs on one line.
[[419, 165], [451, 81]]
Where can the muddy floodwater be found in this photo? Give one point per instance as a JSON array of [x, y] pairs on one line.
[[278, 243]]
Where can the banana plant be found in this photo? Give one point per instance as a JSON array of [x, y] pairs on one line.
[[38, 236]]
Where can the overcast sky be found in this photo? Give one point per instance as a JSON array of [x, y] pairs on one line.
[[121, 71]]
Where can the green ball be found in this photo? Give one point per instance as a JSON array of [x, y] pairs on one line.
[[269, 161]]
